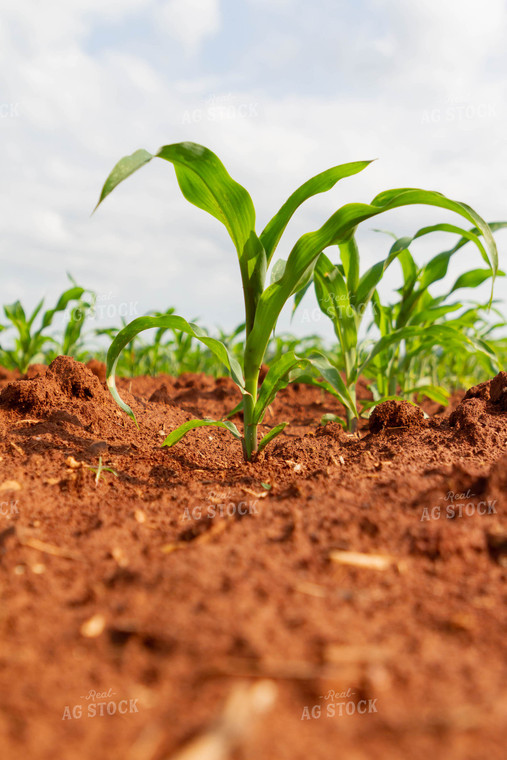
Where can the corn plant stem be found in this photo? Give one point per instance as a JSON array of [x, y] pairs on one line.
[[392, 385], [251, 369], [349, 358], [250, 427]]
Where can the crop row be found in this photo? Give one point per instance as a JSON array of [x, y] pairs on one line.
[[420, 343]]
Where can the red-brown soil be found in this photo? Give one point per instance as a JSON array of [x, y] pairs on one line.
[[221, 635]]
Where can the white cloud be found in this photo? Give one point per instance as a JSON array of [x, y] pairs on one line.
[[409, 91], [190, 21]]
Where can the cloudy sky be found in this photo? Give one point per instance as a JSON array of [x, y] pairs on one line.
[[279, 89]]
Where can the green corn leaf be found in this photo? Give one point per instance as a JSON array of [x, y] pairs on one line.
[[16, 314], [321, 183], [276, 378], [205, 183], [278, 270], [433, 392], [431, 316], [408, 265], [299, 296], [334, 380], [493, 226], [349, 254], [373, 276], [436, 269], [333, 418], [272, 434], [72, 294], [178, 434], [473, 279], [172, 322], [339, 228], [35, 312], [432, 334], [333, 298], [408, 268], [123, 169], [433, 271], [410, 196]]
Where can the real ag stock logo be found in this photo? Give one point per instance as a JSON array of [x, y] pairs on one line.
[[100, 704], [458, 505]]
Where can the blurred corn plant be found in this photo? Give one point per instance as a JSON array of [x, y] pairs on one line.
[[205, 183], [410, 330], [171, 351], [34, 344], [411, 365], [460, 370]]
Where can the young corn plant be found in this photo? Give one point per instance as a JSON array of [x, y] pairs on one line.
[[99, 470], [409, 366], [462, 369], [205, 183], [30, 343], [345, 297]]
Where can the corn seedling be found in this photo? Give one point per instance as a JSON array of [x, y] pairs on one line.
[[205, 183], [100, 469]]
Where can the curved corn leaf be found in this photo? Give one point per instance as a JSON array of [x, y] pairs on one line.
[[429, 335], [276, 378], [205, 182], [72, 294], [269, 436], [371, 278], [299, 297], [333, 418], [178, 434], [473, 278], [321, 183], [433, 314], [174, 323], [434, 270], [339, 228], [411, 196], [433, 392], [333, 380]]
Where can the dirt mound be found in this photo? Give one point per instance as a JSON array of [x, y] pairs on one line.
[[182, 579], [477, 416], [65, 380], [161, 396], [498, 390], [396, 414], [98, 369]]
